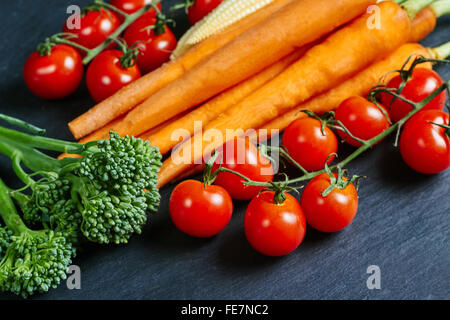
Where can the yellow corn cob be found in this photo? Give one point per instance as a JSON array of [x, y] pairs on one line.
[[226, 14]]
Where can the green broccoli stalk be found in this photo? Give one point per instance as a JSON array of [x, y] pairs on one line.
[[111, 187], [34, 261]]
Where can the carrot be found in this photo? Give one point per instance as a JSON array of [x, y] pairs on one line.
[[104, 132], [133, 94], [211, 109], [296, 24], [340, 56], [422, 24], [359, 85], [97, 135]]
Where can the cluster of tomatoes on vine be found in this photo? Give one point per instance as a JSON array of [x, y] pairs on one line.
[[55, 70], [275, 222]]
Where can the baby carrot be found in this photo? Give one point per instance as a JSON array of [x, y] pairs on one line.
[[294, 25], [133, 94]]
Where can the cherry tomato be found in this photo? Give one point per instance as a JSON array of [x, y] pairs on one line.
[[423, 82], [199, 211], [242, 156], [105, 75], [56, 75], [274, 229], [424, 146], [200, 9], [333, 212], [155, 45], [132, 6], [95, 27], [362, 118], [307, 145]]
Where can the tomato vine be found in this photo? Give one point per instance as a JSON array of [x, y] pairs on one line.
[[338, 182]]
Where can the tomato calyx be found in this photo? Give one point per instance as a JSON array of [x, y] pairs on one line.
[[280, 188], [208, 175], [130, 54], [328, 120], [339, 180], [45, 48], [160, 25]]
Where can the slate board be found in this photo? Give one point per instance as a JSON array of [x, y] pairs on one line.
[[402, 224]]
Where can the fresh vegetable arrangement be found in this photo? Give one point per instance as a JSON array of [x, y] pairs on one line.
[[274, 222], [327, 78], [99, 197]]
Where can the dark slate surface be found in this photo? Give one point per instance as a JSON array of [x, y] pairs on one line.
[[402, 224]]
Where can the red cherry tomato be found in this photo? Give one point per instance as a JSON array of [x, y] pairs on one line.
[[333, 212], [132, 6], [155, 45], [200, 9], [105, 75], [95, 27], [422, 84], [199, 211], [274, 229], [424, 146], [307, 145], [242, 156], [56, 75], [362, 118]]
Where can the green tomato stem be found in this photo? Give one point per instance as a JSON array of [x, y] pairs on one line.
[[60, 40], [111, 7], [366, 144], [129, 19]]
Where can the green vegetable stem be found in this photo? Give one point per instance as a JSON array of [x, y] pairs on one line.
[[64, 38], [100, 194], [286, 185]]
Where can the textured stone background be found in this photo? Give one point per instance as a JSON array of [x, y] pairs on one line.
[[402, 224]]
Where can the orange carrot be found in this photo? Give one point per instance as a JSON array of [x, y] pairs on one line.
[[133, 94], [339, 57], [358, 85], [97, 135], [422, 24], [211, 109], [296, 24], [104, 132]]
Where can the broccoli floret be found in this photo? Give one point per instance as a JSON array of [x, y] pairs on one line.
[[5, 240], [119, 182], [50, 206], [111, 187], [34, 261]]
